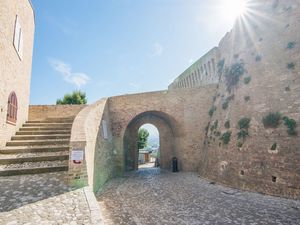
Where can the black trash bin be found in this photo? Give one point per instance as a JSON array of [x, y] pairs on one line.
[[174, 165]]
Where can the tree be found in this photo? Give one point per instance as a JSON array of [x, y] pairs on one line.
[[75, 98], [143, 135]]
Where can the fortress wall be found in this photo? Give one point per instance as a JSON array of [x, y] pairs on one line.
[[202, 72], [15, 69], [262, 44], [42, 112], [185, 110], [91, 133]]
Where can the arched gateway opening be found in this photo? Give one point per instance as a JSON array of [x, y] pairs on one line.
[[167, 138], [148, 146]]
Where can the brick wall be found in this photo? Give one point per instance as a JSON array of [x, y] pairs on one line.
[[15, 73], [88, 135], [42, 112], [273, 88]]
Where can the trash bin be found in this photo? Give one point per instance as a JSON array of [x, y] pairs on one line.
[[174, 165]]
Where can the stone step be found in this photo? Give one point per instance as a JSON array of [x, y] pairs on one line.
[[21, 158], [32, 170], [45, 128], [40, 137], [51, 121], [47, 125], [43, 132], [34, 149], [38, 142]]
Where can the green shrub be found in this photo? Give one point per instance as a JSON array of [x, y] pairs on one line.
[[291, 124], [226, 137], [240, 144], [291, 45], [291, 66], [225, 105], [212, 110], [244, 123], [218, 133], [247, 98], [233, 74], [247, 80], [274, 146], [242, 134], [227, 124], [258, 58], [272, 120], [226, 102], [287, 88]]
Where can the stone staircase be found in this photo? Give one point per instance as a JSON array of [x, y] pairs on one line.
[[38, 147]]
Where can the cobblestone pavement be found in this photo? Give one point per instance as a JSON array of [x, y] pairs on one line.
[[41, 199], [153, 197]]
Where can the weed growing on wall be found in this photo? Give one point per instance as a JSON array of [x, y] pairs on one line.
[[272, 120], [227, 124], [226, 137], [233, 74], [291, 45], [291, 124], [247, 80]]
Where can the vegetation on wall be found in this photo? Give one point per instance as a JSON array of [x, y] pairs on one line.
[[247, 80], [75, 98], [291, 124], [233, 74], [227, 124], [291, 45], [274, 146], [291, 66], [226, 102], [258, 58], [272, 120], [226, 137], [212, 110], [243, 126], [247, 98]]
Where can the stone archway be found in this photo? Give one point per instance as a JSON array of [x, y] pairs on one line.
[[167, 133]]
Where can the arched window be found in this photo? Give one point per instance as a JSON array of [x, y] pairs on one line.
[[12, 108]]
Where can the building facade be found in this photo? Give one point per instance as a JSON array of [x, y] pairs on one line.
[[16, 46]]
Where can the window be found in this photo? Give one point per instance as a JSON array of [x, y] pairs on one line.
[[12, 108], [18, 38]]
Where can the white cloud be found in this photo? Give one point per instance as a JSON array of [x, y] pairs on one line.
[[157, 50], [134, 85], [65, 70]]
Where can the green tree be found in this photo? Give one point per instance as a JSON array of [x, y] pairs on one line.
[[75, 98], [143, 135]]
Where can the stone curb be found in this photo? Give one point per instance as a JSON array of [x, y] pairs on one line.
[[96, 215]]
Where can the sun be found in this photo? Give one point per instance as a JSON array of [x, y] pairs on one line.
[[232, 9]]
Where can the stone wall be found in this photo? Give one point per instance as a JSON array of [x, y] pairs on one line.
[[201, 73], [91, 133], [15, 70], [42, 112], [267, 46], [184, 111]]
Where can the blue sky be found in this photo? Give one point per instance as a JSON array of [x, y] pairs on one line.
[[115, 47]]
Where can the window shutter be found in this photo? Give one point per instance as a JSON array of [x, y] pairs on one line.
[[21, 44], [17, 33]]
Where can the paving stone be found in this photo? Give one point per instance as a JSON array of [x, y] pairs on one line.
[[46, 200], [151, 196]]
